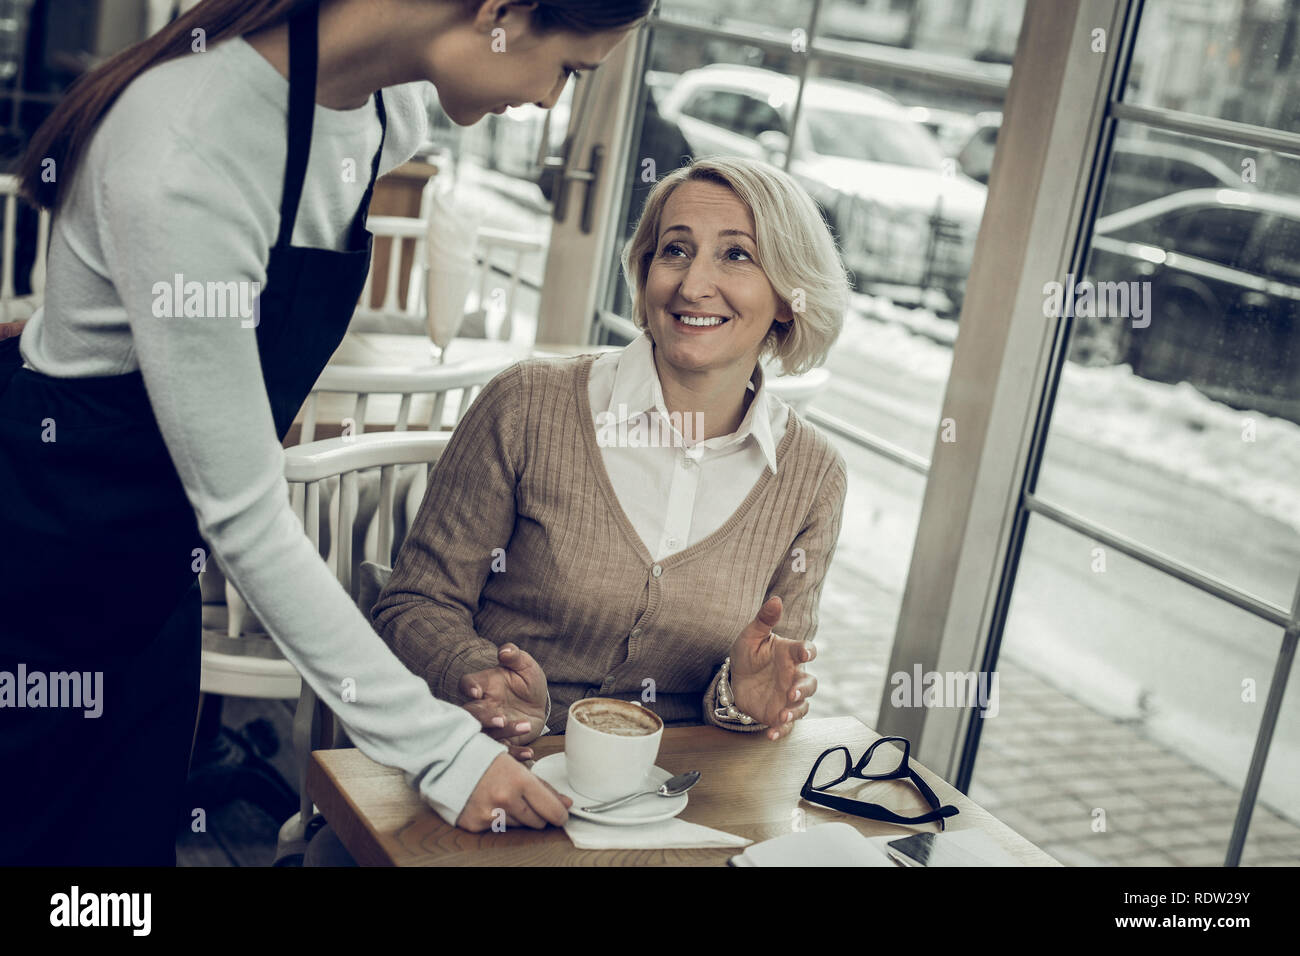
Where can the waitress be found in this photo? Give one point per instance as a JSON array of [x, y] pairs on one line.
[[203, 267]]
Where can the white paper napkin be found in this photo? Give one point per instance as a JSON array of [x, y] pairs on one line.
[[450, 248], [666, 834]]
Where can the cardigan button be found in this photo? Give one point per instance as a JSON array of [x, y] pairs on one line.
[[657, 570], [636, 632]]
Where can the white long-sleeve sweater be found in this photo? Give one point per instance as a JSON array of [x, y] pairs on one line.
[[183, 176]]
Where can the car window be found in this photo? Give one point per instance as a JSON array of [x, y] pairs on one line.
[[758, 116], [876, 139], [1216, 233], [1137, 175], [718, 107], [1165, 174], [1280, 258]]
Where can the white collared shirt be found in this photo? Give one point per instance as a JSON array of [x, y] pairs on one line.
[[675, 489]]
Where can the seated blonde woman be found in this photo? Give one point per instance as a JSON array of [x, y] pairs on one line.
[[650, 524]]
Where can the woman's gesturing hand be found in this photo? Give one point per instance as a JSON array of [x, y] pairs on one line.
[[508, 787], [768, 681], [509, 700]]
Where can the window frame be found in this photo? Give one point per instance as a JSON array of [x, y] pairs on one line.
[[1063, 105]]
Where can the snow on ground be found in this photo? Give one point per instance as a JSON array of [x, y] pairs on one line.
[[1246, 456]]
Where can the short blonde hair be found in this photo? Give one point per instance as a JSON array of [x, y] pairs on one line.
[[796, 252]]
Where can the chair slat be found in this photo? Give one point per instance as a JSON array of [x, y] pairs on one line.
[[435, 417], [359, 412], [394, 272], [347, 512], [10, 248], [312, 514], [42, 250], [387, 482], [309, 420]]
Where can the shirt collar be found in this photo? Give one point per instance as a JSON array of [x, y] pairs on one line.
[[637, 391]]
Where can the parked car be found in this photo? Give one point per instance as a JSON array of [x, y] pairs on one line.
[[904, 217], [1224, 273], [1140, 169], [952, 129]]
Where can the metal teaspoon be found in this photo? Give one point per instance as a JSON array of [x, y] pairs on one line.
[[672, 787]]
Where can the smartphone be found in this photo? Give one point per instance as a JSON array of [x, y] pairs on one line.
[[940, 849]]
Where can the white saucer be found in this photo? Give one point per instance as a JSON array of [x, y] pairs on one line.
[[649, 809]]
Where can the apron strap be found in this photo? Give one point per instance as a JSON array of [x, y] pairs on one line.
[[303, 60], [360, 236], [303, 39]]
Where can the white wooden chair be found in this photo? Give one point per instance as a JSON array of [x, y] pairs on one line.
[[235, 662], [451, 388], [312, 467], [13, 306], [491, 305], [401, 309], [499, 258]]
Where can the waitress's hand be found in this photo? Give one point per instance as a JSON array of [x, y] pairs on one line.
[[527, 800], [8, 329], [768, 681], [509, 700]]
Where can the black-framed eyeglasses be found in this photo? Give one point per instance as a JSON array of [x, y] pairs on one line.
[[887, 767]]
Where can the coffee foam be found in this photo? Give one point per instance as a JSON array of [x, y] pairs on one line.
[[617, 718]]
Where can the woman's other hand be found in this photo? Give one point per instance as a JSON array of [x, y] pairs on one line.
[[509, 700], [768, 680], [8, 329], [510, 788]]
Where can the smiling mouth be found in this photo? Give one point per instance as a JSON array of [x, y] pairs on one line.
[[700, 321]]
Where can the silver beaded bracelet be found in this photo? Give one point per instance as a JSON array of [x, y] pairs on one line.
[[727, 709]]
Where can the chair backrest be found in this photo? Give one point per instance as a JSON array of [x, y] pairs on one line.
[[367, 485], [403, 239], [394, 306], [450, 388], [334, 470], [499, 258], [13, 306]]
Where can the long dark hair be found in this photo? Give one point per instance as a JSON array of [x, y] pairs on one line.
[[63, 136]]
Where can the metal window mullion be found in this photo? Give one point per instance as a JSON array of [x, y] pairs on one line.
[[954, 77], [819, 52], [872, 443], [1201, 580], [768, 43], [805, 65], [1264, 737], [1230, 131]]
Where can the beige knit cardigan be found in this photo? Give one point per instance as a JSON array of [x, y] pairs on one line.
[[521, 538]]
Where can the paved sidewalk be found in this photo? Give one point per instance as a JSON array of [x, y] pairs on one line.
[[1048, 764]]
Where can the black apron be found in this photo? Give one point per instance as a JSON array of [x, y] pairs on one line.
[[97, 565]]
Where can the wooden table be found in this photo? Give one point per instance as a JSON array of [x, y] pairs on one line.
[[750, 787]]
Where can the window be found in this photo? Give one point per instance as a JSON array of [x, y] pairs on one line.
[[758, 117], [1112, 526], [1156, 556], [1281, 251], [719, 107], [872, 139], [1216, 234], [906, 218]]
